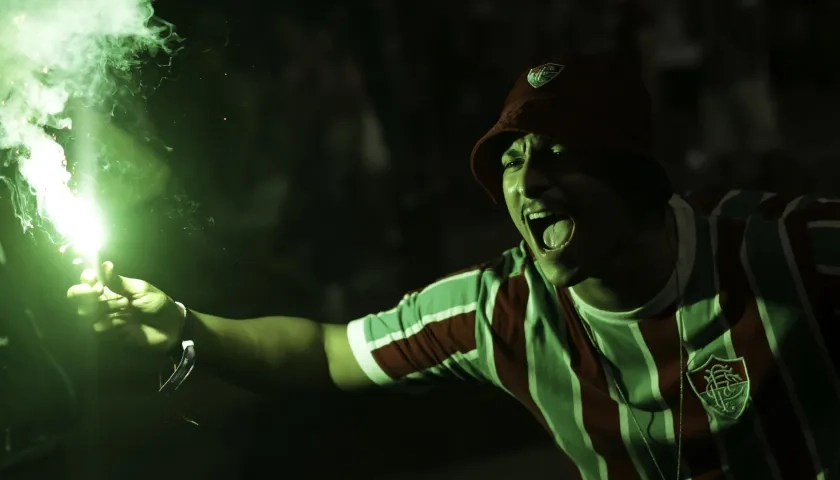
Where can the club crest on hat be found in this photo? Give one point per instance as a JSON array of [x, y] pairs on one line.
[[722, 385], [539, 76]]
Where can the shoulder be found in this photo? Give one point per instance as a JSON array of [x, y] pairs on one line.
[[496, 289], [509, 264], [751, 204], [800, 232]]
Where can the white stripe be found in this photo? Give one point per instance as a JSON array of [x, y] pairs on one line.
[[731, 353], [436, 284], [809, 315], [452, 278], [729, 195], [363, 354], [714, 426], [824, 224], [489, 336], [791, 206], [716, 312], [650, 365], [363, 350], [767, 196], [828, 200], [627, 425], [447, 364], [774, 348], [828, 270], [806, 303], [531, 317], [417, 327]]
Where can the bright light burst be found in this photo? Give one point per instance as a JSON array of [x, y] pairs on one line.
[[76, 219], [51, 52]]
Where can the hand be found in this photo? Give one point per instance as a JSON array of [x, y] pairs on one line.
[[133, 312]]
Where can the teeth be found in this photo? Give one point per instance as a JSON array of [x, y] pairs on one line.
[[538, 215]]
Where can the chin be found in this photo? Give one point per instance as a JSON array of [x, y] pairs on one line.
[[561, 276]]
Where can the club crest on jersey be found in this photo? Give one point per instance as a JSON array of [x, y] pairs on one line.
[[722, 385], [539, 76]]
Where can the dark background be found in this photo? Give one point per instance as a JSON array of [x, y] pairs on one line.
[[315, 162]]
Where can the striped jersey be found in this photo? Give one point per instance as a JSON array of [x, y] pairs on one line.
[[751, 308]]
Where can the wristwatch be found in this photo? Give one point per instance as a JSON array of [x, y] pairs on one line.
[[182, 356]]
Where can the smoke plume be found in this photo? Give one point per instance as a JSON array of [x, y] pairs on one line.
[[53, 52]]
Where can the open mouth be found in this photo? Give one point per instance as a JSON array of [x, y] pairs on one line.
[[551, 231]]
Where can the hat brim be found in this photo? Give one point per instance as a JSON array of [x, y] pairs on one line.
[[486, 158], [536, 116], [551, 119]]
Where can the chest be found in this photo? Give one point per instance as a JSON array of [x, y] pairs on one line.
[[718, 390]]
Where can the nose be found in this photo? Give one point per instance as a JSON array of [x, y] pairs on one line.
[[533, 183]]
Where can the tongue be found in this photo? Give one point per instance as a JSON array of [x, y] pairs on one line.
[[557, 234]]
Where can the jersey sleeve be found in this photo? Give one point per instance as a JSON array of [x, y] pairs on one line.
[[821, 220], [432, 334]]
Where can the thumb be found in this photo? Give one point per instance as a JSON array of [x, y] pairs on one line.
[[121, 285]]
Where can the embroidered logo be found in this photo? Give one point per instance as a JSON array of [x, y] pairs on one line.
[[722, 385], [539, 76]]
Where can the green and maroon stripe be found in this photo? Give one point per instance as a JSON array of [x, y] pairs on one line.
[[821, 221], [510, 354], [819, 289], [769, 394], [707, 201], [662, 339], [601, 415], [433, 345], [774, 207], [707, 334], [555, 388]]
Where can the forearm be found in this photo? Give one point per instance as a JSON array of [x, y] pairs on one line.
[[264, 355]]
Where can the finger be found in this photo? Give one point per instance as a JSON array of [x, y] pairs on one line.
[[107, 272], [84, 291], [113, 320], [108, 294], [117, 304], [89, 277], [96, 310], [131, 285], [88, 310], [108, 324], [84, 298], [122, 285]]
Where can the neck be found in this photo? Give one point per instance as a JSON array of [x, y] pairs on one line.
[[640, 270]]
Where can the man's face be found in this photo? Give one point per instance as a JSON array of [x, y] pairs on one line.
[[572, 220]]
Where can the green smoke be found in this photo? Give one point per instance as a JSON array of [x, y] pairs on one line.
[[52, 52]]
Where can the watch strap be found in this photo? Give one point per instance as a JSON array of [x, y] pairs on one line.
[[183, 354]]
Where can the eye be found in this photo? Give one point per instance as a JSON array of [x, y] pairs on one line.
[[511, 162]]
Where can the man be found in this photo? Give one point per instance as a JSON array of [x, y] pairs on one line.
[[650, 337]]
